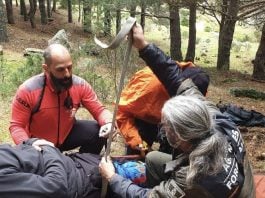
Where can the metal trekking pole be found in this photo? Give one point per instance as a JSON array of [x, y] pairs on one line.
[[125, 30]]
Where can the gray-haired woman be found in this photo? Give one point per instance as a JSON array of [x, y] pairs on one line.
[[213, 161]]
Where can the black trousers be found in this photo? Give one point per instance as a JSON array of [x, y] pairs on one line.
[[84, 134], [87, 164], [151, 133], [148, 133]]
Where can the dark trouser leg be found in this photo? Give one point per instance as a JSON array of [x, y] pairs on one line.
[[148, 133], [155, 163], [84, 134]]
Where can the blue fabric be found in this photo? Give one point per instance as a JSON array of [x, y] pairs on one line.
[[133, 170]]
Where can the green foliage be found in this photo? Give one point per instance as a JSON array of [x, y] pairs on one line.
[[185, 21], [198, 40], [230, 80], [244, 38], [102, 85], [208, 40], [250, 93], [236, 47], [7, 87], [30, 68], [64, 3], [184, 16], [185, 34], [257, 35], [207, 29]]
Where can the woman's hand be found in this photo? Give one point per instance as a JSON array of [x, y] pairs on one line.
[[139, 41], [106, 168]]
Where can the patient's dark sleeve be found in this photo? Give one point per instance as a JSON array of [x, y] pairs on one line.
[[28, 173], [125, 188]]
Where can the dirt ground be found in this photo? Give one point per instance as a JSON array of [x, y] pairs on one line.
[[21, 36]]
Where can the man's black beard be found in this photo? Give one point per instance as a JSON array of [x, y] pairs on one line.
[[61, 84]]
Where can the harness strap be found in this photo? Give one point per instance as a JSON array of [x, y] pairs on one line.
[[125, 30], [36, 108]]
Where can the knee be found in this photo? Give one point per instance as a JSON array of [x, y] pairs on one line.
[[151, 158]]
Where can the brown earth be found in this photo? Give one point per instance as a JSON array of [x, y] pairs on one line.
[[22, 36]]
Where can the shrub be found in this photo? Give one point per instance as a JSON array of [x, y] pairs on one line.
[[30, 68], [207, 29], [185, 34]]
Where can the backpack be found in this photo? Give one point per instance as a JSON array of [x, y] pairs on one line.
[[242, 117]]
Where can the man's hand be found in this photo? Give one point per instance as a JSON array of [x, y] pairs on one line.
[[106, 168], [105, 130], [143, 148], [139, 41], [39, 143]]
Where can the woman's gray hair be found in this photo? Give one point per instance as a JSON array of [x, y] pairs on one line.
[[190, 119]]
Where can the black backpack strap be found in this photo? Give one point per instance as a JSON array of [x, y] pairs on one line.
[[36, 108]]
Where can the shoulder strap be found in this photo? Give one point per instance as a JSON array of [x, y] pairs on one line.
[[37, 106]]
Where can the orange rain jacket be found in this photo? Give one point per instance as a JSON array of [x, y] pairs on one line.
[[142, 98]]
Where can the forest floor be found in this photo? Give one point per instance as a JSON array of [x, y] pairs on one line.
[[22, 36]]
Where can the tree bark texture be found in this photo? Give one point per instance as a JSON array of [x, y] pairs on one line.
[[259, 62], [133, 10], [79, 11], [70, 15], [23, 10], [190, 55], [43, 14], [87, 23], [143, 8], [9, 12], [175, 35], [107, 22], [226, 35], [3, 31], [54, 5], [49, 11], [118, 20], [32, 11]]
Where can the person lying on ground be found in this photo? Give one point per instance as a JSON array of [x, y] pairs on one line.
[[29, 172], [139, 110], [45, 106], [213, 162]]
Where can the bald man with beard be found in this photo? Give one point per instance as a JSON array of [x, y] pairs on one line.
[[45, 106]]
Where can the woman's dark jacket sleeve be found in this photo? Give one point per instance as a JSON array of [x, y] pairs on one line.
[[163, 67]]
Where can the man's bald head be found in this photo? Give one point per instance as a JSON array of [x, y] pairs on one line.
[[55, 51]]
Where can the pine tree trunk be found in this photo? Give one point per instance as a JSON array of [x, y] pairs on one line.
[[192, 33], [143, 8], [43, 15], [23, 10], [79, 11], [54, 5], [87, 23], [3, 31], [259, 62], [118, 20], [32, 11], [49, 11], [107, 22], [226, 36], [9, 12], [133, 11], [70, 15], [175, 35]]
